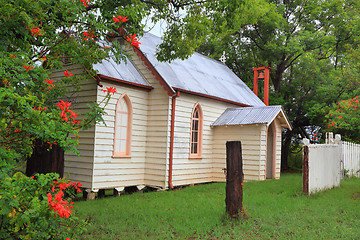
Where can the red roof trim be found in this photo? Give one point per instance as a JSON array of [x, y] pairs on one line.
[[158, 77], [111, 79], [212, 97]]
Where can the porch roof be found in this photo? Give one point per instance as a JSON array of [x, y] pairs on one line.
[[252, 115]]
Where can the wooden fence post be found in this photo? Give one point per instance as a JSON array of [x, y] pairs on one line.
[[234, 178], [305, 168]]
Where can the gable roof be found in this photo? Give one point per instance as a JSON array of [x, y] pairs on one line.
[[252, 115], [125, 72], [197, 75]]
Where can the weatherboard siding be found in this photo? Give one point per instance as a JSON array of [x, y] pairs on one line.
[[158, 129], [252, 139], [262, 159], [113, 172], [194, 170], [279, 129], [79, 168]]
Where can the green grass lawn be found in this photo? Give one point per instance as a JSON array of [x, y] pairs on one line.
[[276, 208]]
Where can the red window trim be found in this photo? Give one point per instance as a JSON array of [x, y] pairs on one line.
[[127, 152], [200, 132]]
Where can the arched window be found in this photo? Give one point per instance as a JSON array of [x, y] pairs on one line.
[[122, 128], [196, 132]]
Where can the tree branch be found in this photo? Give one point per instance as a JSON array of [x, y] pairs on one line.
[[292, 61]]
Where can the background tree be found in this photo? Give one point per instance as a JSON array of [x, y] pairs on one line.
[[306, 44], [35, 37]]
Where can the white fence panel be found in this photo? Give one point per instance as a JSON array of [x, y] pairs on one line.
[[324, 165], [351, 158]]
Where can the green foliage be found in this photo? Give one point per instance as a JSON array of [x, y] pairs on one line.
[[35, 38], [25, 212], [208, 21], [312, 49]]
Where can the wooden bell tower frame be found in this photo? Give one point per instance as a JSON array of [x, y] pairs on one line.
[[262, 73]]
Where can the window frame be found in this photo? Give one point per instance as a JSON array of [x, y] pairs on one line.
[[128, 103], [198, 154]]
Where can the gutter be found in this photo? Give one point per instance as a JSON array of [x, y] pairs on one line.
[[172, 131]]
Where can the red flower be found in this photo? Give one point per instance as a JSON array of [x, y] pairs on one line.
[[111, 90], [59, 205], [64, 105], [12, 56], [50, 82], [76, 122], [49, 197], [89, 35], [27, 67], [36, 32], [73, 114], [122, 19], [133, 40], [84, 2], [17, 130], [68, 74]]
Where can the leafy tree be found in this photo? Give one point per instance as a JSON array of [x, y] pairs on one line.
[[306, 43], [35, 38]]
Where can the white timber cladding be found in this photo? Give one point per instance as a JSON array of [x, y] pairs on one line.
[[109, 171], [253, 145], [148, 160], [196, 170], [80, 168], [279, 129], [158, 129]]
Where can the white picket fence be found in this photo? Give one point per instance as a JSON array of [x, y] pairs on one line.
[[350, 159], [328, 162]]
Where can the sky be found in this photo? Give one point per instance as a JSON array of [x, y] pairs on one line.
[[157, 29]]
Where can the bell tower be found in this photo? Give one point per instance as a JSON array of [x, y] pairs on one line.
[[262, 73]]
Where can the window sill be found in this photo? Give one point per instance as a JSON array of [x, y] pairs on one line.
[[121, 156], [195, 157]]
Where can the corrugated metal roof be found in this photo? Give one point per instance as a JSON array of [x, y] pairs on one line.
[[250, 115], [123, 71], [199, 74]]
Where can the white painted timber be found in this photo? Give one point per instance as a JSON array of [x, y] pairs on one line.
[[351, 158], [324, 166], [80, 168]]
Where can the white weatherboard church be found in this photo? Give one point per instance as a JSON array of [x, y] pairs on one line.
[[168, 123]]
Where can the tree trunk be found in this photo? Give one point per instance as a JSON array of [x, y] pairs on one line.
[[285, 151], [234, 178]]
